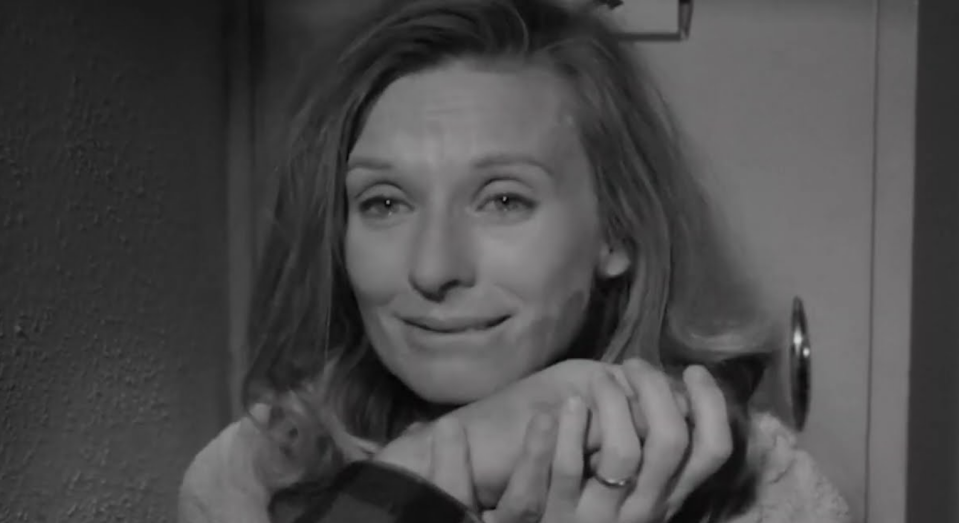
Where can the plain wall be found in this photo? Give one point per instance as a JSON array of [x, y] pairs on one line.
[[112, 254], [934, 382]]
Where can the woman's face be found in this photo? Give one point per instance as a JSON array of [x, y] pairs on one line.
[[473, 232]]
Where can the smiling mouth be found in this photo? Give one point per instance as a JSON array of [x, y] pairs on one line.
[[455, 327]]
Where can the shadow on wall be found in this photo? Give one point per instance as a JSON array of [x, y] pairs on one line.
[[112, 254], [934, 413], [289, 33]]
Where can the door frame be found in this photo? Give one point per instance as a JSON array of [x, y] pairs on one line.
[[896, 67]]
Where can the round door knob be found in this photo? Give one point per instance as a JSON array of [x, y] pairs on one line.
[[800, 364]]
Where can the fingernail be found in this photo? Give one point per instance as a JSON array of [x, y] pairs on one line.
[[698, 373], [574, 404], [622, 381]]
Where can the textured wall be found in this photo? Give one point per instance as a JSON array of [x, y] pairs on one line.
[[112, 254]]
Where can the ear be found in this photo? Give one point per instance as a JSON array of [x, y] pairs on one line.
[[613, 262]]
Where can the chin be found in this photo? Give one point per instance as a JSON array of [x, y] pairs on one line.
[[455, 387], [451, 391]]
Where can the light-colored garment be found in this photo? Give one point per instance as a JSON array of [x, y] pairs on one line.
[[224, 486], [792, 489]]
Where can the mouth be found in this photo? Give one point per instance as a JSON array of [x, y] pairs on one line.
[[454, 325]]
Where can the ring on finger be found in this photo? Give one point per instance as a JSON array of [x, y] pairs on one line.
[[613, 483]]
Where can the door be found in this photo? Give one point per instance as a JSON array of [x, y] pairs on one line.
[[777, 101]]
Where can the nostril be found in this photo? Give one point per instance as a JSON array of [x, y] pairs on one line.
[[436, 293]]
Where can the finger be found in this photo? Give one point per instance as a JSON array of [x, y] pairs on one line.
[[639, 419], [566, 478], [635, 409], [450, 467], [712, 438], [619, 455], [667, 441], [524, 499]]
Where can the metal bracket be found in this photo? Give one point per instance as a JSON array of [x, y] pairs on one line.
[[683, 23]]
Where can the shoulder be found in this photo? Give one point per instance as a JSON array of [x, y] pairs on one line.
[[792, 489], [233, 477]]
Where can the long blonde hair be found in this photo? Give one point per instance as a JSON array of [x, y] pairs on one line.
[[685, 301]]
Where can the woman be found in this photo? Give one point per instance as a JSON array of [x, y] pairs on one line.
[[485, 213]]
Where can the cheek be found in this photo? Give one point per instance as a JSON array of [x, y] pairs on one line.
[[548, 333], [550, 273], [374, 264]]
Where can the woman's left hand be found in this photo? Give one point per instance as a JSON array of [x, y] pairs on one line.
[[659, 468]]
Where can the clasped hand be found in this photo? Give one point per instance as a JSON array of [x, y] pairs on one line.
[[539, 451]]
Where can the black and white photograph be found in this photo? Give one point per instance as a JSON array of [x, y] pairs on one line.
[[479, 261]]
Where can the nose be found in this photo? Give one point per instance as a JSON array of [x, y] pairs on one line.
[[442, 260]]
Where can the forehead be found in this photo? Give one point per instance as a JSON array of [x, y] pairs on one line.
[[461, 110]]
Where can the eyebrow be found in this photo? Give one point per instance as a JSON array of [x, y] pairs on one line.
[[483, 162], [504, 159], [365, 162]]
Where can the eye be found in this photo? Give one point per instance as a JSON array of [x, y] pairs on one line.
[[381, 207], [509, 203]]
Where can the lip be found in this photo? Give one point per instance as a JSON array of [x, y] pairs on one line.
[[435, 336], [454, 325]]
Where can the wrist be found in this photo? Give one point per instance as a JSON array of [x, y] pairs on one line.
[[410, 452]]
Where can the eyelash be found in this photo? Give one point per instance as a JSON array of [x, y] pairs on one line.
[[382, 207], [367, 204], [502, 199]]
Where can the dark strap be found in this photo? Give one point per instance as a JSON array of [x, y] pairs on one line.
[[374, 492]]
